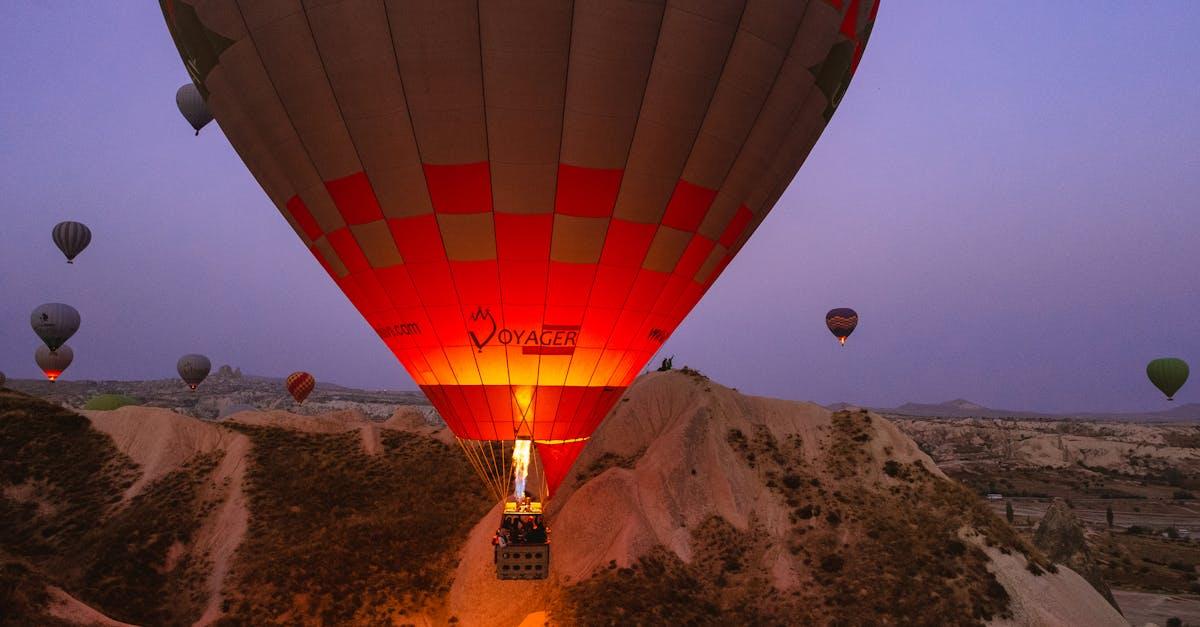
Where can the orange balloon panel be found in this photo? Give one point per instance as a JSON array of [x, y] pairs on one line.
[[523, 199]]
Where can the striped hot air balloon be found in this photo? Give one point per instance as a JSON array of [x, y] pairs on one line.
[[523, 199], [71, 238], [841, 322], [300, 385]]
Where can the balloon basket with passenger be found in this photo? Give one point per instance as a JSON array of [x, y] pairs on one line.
[[521, 543]]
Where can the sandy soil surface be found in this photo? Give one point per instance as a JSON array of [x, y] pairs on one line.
[[1143, 608], [66, 607]]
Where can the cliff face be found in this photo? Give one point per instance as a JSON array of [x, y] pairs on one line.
[[693, 504]]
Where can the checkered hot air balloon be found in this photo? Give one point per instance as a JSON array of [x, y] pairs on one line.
[[841, 323], [299, 385], [524, 200]]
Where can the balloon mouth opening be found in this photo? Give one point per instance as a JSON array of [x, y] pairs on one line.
[[842, 341]]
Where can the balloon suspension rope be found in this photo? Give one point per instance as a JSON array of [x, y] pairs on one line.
[[488, 463]]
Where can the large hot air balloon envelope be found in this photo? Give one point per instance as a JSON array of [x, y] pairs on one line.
[[523, 199], [841, 322], [1168, 374], [193, 369], [55, 323], [71, 238], [299, 385], [53, 363], [192, 107]]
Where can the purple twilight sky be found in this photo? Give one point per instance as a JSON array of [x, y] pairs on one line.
[[1008, 196]]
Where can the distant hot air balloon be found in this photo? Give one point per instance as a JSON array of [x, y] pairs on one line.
[[71, 238], [193, 369], [523, 237], [300, 384], [55, 323], [1168, 374], [53, 363], [841, 322], [191, 105]]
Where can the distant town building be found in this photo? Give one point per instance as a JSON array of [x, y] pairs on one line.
[[992, 496]]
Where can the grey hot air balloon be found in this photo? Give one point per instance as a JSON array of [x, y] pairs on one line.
[[193, 369], [53, 363], [71, 238], [192, 106], [55, 323]]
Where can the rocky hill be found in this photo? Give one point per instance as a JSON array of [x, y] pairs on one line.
[[693, 504], [1124, 448]]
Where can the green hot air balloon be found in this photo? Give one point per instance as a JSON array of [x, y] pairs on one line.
[[1168, 374]]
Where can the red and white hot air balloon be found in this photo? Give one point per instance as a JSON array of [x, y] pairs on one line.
[[524, 200]]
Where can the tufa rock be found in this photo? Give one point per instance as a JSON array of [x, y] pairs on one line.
[[1060, 536]]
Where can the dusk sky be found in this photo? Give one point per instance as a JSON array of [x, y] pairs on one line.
[[1008, 196]]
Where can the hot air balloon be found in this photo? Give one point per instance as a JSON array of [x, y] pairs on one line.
[[53, 363], [71, 238], [524, 200], [193, 369], [841, 322], [191, 105], [1168, 374], [55, 323], [300, 384]]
